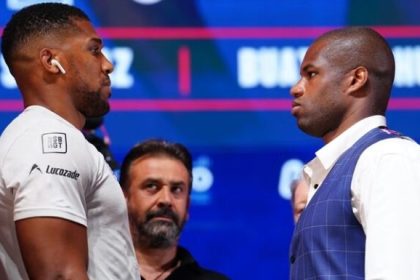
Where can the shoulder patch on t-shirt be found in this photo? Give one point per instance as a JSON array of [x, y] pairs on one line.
[[55, 142]]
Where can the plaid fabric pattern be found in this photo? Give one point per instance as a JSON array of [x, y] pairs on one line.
[[329, 242]]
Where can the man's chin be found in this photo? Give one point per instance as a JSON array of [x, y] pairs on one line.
[[160, 234], [106, 95], [161, 225], [99, 111]]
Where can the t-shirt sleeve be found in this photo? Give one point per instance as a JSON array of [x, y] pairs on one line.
[[47, 172]]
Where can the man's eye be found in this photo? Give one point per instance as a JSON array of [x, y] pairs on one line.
[[177, 189], [311, 74], [151, 186], [96, 51]]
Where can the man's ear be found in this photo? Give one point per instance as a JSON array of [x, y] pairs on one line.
[[356, 79], [46, 55]]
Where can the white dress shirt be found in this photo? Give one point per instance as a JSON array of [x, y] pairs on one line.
[[385, 198]]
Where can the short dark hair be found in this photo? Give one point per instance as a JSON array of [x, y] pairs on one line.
[[155, 147], [37, 20]]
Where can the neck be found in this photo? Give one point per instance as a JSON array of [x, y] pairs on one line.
[[54, 99], [72, 116], [156, 263]]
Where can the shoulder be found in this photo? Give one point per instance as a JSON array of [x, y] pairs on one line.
[[391, 147], [38, 136], [190, 269], [37, 124], [393, 157], [206, 274], [195, 272]]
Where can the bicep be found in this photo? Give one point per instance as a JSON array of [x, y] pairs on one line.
[[53, 248]]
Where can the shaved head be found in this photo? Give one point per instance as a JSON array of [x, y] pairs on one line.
[[346, 76], [352, 47]]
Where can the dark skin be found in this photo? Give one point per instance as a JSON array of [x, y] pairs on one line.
[[347, 77], [331, 96], [55, 248], [41, 82]]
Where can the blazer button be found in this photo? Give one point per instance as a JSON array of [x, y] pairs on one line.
[[292, 259]]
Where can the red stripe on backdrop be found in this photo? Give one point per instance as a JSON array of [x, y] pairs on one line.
[[202, 105], [176, 105], [232, 33], [184, 70], [199, 33], [403, 104]]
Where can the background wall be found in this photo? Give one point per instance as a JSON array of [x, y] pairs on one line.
[[215, 75]]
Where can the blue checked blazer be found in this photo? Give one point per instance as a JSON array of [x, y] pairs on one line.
[[328, 241]]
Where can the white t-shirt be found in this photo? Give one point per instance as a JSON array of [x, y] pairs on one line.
[[47, 168]]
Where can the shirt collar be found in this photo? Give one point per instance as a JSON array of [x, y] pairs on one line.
[[329, 154]]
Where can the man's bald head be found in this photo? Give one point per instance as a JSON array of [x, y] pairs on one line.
[[352, 47]]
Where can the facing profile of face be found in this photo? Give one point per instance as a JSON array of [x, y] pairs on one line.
[[60, 40], [88, 71], [158, 200], [319, 103]]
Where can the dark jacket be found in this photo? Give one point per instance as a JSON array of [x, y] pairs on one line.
[[189, 269]]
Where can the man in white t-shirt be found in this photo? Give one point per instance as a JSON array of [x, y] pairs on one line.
[[62, 212]]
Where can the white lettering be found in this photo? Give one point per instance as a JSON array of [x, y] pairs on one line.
[[407, 66], [289, 61], [290, 171], [247, 67], [301, 51], [269, 67], [404, 67], [6, 79], [122, 58], [265, 67]]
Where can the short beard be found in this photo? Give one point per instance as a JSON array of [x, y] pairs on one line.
[[94, 106], [90, 102], [160, 234]]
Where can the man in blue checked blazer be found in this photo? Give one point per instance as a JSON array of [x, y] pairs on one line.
[[362, 220]]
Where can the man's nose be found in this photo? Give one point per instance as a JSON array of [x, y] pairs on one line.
[[297, 89], [107, 65], [165, 196]]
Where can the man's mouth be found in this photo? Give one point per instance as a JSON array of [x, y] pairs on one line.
[[165, 218], [107, 82], [295, 107]]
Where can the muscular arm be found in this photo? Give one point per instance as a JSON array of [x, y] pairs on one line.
[[53, 248]]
